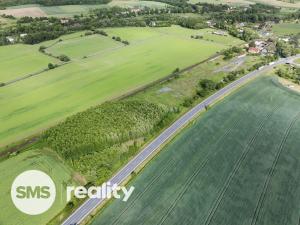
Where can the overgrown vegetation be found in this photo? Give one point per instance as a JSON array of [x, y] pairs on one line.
[[230, 53], [285, 50], [97, 141], [290, 72]]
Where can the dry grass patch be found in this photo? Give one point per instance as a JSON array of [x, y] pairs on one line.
[[31, 11]]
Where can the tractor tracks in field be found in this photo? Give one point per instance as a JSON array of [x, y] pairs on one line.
[[166, 168], [149, 185], [272, 171], [190, 180], [237, 166]]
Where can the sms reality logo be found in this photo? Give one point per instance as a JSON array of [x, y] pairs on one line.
[[33, 192]]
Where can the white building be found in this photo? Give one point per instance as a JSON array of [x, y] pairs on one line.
[[10, 39], [23, 35]]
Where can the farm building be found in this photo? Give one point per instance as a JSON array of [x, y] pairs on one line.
[[253, 50]]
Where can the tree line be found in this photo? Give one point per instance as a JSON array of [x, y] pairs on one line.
[[5, 3]]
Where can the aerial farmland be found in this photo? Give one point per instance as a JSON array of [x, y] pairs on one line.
[[109, 70], [198, 179], [149, 112]]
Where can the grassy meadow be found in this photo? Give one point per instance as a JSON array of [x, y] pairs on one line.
[[38, 102], [43, 160], [286, 28], [237, 164]]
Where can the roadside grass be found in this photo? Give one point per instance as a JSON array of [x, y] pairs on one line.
[[34, 104], [237, 157], [286, 28], [173, 93], [34, 158], [21, 60]]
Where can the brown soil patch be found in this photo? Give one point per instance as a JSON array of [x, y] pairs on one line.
[[31, 11]]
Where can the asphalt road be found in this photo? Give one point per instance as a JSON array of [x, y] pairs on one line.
[[89, 205]]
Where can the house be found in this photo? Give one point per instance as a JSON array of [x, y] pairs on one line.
[[260, 45], [264, 51], [64, 21], [253, 50], [271, 48], [210, 23], [10, 39], [286, 39], [23, 35], [135, 10], [152, 24]]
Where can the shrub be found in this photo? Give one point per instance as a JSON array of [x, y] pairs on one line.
[[188, 102], [42, 48], [88, 33], [202, 93], [207, 84], [51, 66], [101, 32], [177, 70], [64, 58]]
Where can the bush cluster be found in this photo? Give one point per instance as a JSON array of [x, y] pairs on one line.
[[99, 140]]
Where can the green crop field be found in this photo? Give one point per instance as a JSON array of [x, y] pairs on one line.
[[234, 2], [27, 58], [85, 46], [36, 103], [237, 164], [286, 28], [71, 10], [34, 159], [277, 3]]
